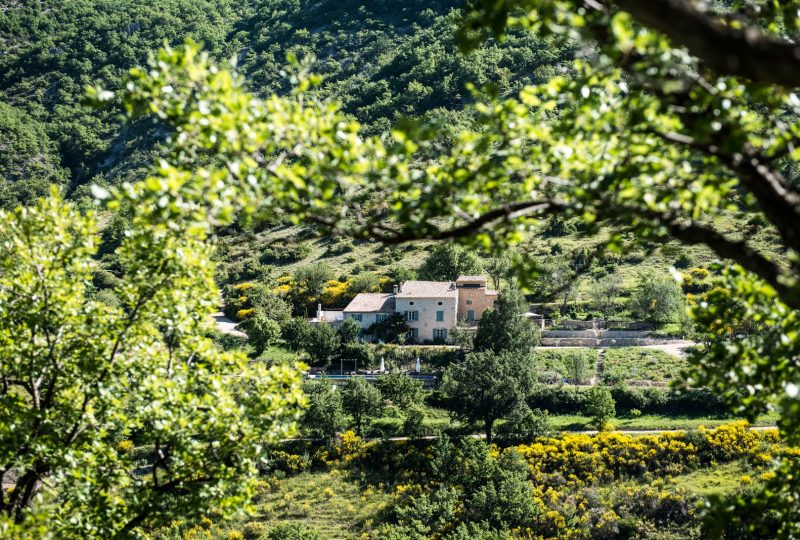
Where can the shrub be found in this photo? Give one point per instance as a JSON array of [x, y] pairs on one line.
[[338, 246], [413, 425], [523, 425], [235, 535], [124, 447], [665, 401], [293, 531], [599, 405]]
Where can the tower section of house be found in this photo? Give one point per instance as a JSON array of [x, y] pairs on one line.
[[369, 308], [430, 309], [473, 297]]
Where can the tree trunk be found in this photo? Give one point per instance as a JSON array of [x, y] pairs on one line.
[[488, 423]]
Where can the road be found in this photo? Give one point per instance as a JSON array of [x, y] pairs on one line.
[[556, 433]]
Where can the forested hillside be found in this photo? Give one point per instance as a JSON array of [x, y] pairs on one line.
[[382, 60]]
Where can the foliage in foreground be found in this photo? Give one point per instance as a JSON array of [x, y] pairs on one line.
[[80, 377]]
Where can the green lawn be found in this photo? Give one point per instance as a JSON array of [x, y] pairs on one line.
[[567, 422], [641, 364], [279, 355], [650, 422]]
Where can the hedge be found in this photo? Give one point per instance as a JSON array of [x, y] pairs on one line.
[[663, 401]]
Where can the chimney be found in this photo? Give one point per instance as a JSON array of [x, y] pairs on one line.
[[394, 290]]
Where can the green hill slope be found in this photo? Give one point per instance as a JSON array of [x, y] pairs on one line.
[[381, 61]]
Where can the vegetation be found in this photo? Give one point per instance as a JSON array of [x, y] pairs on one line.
[[647, 485], [553, 365], [118, 409], [487, 386], [626, 364], [448, 261], [90, 376], [505, 328]]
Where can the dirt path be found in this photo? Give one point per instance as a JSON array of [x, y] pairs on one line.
[[598, 371], [226, 325]]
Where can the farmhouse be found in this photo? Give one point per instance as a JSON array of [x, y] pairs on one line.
[[430, 308]]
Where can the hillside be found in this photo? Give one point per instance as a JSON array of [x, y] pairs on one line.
[[380, 61]]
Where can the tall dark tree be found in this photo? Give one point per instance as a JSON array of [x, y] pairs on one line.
[[505, 327], [448, 261], [487, 386]]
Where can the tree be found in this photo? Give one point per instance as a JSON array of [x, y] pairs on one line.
[[645, 135], [361, 401], [261, 332], [323, 344], [324, 417], [400, 389], [604, 293], [523, 425], [391, 329], [309, 284], [577, 368], [499, 268], [366, 282], [296, 333], [448, 261], [657, 299], [487, 386], [463, 336], [600, 406], [349, 331], [413, 424], [505, 327], [79, 375]]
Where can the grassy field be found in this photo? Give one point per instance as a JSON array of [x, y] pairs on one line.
[[650, 422], [340, 505], [336, 506], [440, 422], [719, 480], [641, 364], [552, 363]]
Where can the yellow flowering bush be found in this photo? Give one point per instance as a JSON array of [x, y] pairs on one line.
[[350, 448], [244, 313]]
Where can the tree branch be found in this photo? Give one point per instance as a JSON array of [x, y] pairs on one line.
[[743, 52]]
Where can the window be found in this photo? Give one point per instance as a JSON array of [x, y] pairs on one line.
[[469, 302], [440, 333], [440, 303], [380, 317], [412, 315], [356, 316], [411, 303], [470, 314], [440, 316], [412, 333]]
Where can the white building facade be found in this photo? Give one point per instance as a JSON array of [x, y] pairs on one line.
[[431, 309]]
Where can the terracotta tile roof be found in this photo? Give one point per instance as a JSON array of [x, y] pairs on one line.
[[471, 278], [427, 289], [371, 303]]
